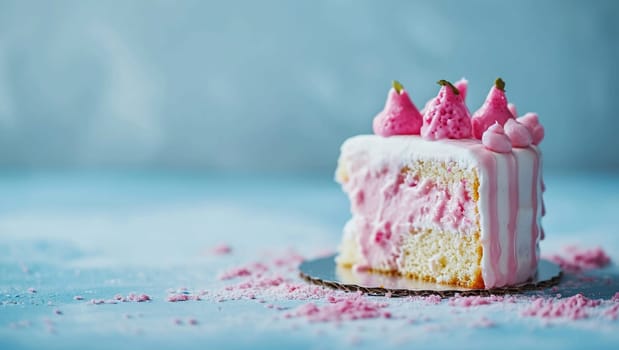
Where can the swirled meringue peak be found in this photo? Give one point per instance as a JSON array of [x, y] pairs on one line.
[[447, 116], [493, 110], [400, 116]]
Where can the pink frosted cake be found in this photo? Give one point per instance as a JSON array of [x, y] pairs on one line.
[[444, 197]]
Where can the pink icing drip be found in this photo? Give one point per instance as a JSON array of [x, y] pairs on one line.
[[495, 139], [492, 275], [534, 227], [512, 257], [399, 117]]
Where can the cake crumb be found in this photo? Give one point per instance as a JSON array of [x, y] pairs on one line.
[[574, 259]]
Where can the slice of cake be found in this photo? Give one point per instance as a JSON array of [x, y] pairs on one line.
[[443, 196]]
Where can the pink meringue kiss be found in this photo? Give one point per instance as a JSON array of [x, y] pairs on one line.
[[519, 134], [494, 139], [531, 121]]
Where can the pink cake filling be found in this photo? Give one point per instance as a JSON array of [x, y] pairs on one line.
[[427, 203]]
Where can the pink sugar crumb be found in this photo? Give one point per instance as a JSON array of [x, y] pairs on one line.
[[470, 301], [32, 290], [192, 321], [234, 273], [256, 268], [574, 259], [222, 249], [58, 312], [433, 299], [612, 312], [173, 298], [342, 308], [484, 323], [573, 308], [78, 297], [138, 298]]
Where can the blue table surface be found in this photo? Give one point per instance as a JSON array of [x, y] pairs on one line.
[[97, 235]]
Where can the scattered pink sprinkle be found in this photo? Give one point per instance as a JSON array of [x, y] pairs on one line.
[[173, 298], [341, 308], [78, 297], [234, 273], [192, 321], [432, 299], [484, 323], [138, 298], [32, 290], [177, 321], [613, 312], [477, 300], [58, 312], [118, 298], [222, 249], [289, 259], [573, 308], [575, 259]]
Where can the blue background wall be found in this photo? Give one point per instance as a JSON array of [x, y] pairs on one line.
[[276, 86]]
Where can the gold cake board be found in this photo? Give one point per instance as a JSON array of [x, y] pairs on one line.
[[325, 272]]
